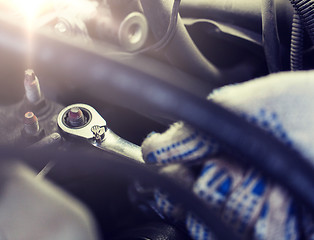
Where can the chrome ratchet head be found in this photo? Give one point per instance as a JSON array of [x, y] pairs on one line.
[[83, 121]]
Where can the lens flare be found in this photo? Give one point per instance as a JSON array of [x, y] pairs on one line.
[[33, 14], [28, 9]]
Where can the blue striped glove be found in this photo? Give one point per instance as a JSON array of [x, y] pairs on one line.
[[252, 205]]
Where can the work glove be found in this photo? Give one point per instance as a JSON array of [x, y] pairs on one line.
[[253, 206]]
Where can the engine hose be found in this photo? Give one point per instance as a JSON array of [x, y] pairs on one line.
[[305, 9], [181, 50], [102, 166], [235, 12], [296, 49], [171, 30], [271, 41]]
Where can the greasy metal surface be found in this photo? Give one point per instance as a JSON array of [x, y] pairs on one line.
[[11, 121]]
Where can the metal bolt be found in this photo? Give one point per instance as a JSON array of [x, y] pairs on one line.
[[32, 87], [31, 125], [75, 117], [61, 27]]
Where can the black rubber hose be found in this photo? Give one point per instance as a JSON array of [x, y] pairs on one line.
[[271, 40], [181, 50], [296, 49], [235, 12], [76, 166], [305, 9], [169, 34]]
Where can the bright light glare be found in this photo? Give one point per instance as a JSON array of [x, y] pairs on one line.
[[31, 9], [34, 13], [27, 11], [28, 8]]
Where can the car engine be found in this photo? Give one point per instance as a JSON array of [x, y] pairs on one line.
[[84, 82]]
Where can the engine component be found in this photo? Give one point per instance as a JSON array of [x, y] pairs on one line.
[[31, 125], [75, 117], [32, 87], [50, 140], [305, 11], [83, 121], [31, 132], [69, 26], [237, 12], [296, 49], [132, 84], [271, 41], [133, 32], [181, 51]]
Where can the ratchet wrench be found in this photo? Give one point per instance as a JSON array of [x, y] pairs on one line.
[[81, 120]]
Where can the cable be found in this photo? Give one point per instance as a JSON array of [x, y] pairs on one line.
[[296, 49], [181, 51], [241, 14], [305, 9], [271, 40], [163, 42], [73, 165]]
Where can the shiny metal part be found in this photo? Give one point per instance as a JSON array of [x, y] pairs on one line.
[[46, 170], [95, 131], [31, 124], [115, 144], [32, 87], [71, 27], [75, 117], [133, 32], [99, 133], [93, 118]]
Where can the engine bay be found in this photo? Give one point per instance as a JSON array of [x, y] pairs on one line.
[[85, 82]]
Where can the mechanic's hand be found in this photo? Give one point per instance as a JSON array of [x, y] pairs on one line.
[[255, 208], [33, 209]]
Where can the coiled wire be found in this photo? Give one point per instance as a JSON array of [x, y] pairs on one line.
[[305, 9], [296, 48]]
